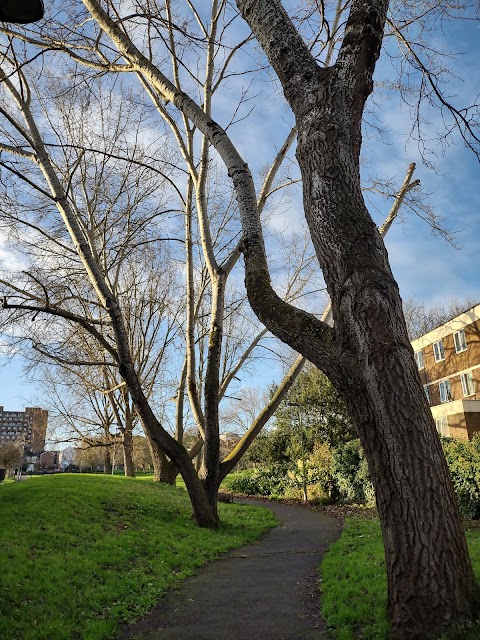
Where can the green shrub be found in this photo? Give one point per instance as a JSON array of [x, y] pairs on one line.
[[233, 477], [247, 484], [293, 493], [350, 473], [315, 494], [320, 467], [262, 482], [463, 458], [341, 474]]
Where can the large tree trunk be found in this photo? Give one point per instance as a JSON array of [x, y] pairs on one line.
[[159, 460], [367, 356], [204, 514], [170, 473], [430, 578], [129, 466], [164, 470], [107, 461]]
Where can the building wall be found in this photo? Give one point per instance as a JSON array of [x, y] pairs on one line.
[[457, 426], [454, 363], [472, 423], [26, 428], [38, 418], [462, 411], [50, 460], [463, 425]]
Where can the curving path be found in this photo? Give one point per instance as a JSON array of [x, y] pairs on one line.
[[266, 590]]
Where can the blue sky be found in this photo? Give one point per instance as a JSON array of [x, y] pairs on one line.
[[425, 266]]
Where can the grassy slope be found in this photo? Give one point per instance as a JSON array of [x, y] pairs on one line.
[[354, 582], [81, 554]]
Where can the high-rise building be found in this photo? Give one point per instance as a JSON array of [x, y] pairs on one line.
[[27, 428]]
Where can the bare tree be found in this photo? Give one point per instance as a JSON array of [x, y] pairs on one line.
[[81, 411], [102, 309], [367, 355], [118, 206], [11, 455], [422, 318]]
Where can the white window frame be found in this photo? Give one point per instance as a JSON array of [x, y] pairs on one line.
[[419, 360], [445, 391], [438, 351], [442, 426], [468, 384], [460, 341], [427, 393]]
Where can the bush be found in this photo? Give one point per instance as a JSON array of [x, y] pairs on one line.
[[293, 493], [315, 493], [463, 458], [262, 482], [247, 483], [350, 473], [342, 474], [233, 477], [320, 467]]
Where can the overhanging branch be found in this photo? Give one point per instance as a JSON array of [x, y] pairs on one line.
[[73, 363], [294, 326], [61, 313]]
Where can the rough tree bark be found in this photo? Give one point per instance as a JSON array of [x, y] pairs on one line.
[[368, 354], [107, 462], [159, 460]]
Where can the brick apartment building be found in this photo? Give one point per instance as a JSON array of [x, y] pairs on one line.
[[448, 359], [27, 428]]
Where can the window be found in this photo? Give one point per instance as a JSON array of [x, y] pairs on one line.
[[445, 391], [438, 351], [419, 359], [468, 386], [460, 341], [442, 425], [425, 388]]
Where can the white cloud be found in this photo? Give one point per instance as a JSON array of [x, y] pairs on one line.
[[10, 260]]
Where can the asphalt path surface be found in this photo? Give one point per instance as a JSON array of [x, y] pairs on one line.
[[266, 590]]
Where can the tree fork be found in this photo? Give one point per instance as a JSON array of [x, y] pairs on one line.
[[430, 579], [204, 515]]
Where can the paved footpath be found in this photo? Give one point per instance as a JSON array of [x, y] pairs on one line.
[[266, 590]]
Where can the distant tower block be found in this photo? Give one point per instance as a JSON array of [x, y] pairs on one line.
[[28, 428]]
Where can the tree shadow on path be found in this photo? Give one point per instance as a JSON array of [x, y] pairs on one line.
[[266, 590]]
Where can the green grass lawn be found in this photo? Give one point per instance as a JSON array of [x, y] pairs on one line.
[[82, 554], [354, 582]]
